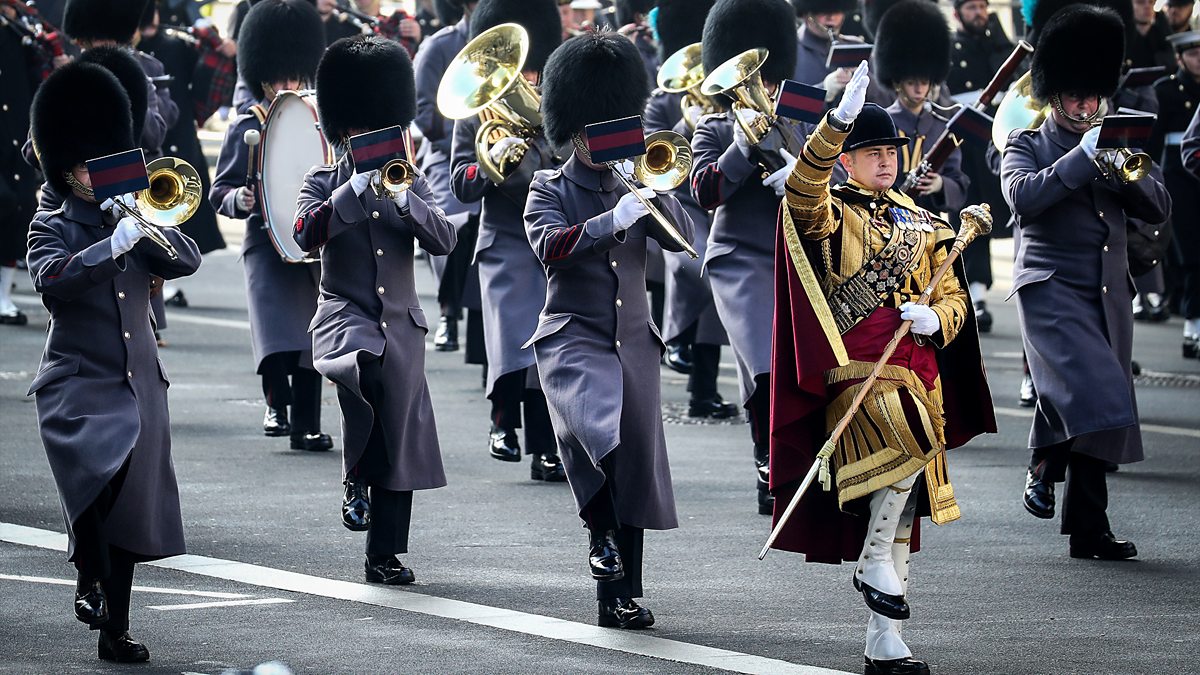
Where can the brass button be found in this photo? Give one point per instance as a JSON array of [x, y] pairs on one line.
[[1104, 289], [618, 344], [375, 215], [1106, 248], [969, 85], [4, 107], [129, 374], [384, 324], [121, 295], [962, 64], [1100, 213], [381, 290], [379, 252], [619, 303], [127, 335], [613, 263]]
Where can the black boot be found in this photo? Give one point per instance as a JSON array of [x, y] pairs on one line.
[[547, 467], [1191, 347], [762, 459], [120, 648], [983, 317], [503, 444], [624, 613], [716, 408], [1039, 496], [317, 442], [91, 602], [1028, 394], [356, 506], [446, 337], [275, 422], [905, 666], [604, 559], [388, 570], [678, 357], [1103, 546]]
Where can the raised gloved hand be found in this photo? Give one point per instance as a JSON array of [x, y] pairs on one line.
[[924, 320], [360, 181], [739, 135], [245, 198], [401, 199], [125, 236], [502, 147], [630, 209], [110, 207], [777, 181], [855, 95], [1090, 138]]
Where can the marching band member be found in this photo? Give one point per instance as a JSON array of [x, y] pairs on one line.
[[597, 348], [279, 46], [511, 279], [101, 391], [931, 396], [820, 21], [368, 335]]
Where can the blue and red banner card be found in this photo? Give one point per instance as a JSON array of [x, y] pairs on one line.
[[848, 55], [372, 150], [1142, 77], [118, 174], [615, 140], [802, 102], [1125, 131], [972, 126]]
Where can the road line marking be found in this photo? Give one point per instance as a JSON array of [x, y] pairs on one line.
[[469, 612], [140, 589], [224, 603], [1153, 428]]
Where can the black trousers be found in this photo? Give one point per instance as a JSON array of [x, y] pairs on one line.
[[509, 395], [391, 510], [1085, 500], [1189, 291], [96, 558], [454, 277], [758, 409], [303, 393], [706, 366], [600, 515]]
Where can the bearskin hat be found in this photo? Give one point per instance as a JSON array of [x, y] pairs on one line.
[[1038, 12], [1075, 30], [804, 7], [539, 18], [628, 9], [121, 62], [448, 11], [365, 83], [280, 40], [594, 77], [680, 23], [88, 20], [734, 26], [913, 41], [61, 137], [873, 11]]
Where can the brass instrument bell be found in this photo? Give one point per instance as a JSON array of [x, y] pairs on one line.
[[665, 166], [683, 73], [1018, 110], [395, 177], [173, 196], [739, 79]]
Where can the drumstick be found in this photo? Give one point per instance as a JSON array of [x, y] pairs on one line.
[[251, 138]]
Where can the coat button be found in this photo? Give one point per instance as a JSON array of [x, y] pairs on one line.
[[127, 335], [379, 252], [618, 344], [16, 176], [962, 64], [969, 85], [384, 324], [619, 303], [613, 263], [381, 290], [4, 107], [1104, 289], [1100, 213], [121, 295], [129, 374], [375, 215], [1106, 248]]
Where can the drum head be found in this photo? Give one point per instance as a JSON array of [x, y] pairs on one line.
[[291, 146]]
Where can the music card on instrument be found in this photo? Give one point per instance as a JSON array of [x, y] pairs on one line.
[[372, 150], [802, 102], [848, 55], [615, 140], [1125, 131], [972, 125], [118, 174], [1141, 77]]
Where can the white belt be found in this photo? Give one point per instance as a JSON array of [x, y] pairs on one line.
[[1174, 138]]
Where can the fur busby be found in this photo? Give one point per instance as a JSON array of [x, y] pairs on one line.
[[121, 62], [1093, 33], [873, 126], [873, 11], [680, 23], [627, 10], [79, 113], [804, 7], [540, 18], [280, 40], [593, 77], [1038, 12], [734, 26], [88, 20], [365, 83], [913, 41]]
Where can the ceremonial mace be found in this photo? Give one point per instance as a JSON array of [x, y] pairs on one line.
[[976, 221]]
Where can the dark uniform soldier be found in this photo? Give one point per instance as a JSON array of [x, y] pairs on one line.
[[597, 347], [727, 179], [511, 279], [1071, 278], [821, 22], [632, 20], [369, 330], [338, 24], [280, 44], [101, 390]]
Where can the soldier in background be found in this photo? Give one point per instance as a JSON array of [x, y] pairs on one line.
[[820, 22], [1178, 15]]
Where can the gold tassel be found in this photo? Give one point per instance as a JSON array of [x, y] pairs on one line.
[[943, 507], [823, 474]]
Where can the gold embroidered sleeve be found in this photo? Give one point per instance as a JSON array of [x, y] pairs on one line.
[[949, 302], [807, 194]]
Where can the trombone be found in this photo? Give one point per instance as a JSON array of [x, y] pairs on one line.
[[665, 166], [683, 73], [173, 197], [739, 79]]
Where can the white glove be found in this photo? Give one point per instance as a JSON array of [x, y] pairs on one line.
[[110, 207], [502, 146], [401, 199], [778, 180], [629, 210], [360, 181], [855, 95], [739, 136], [125, 236], [245, 198], [924, 320], [1089, 140], [834, 83], [626, 168]]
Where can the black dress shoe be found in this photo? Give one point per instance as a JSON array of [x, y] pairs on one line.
[[91, 603], [356, 507], [275, 422], [905, 666], [177, 300], [503, 444], [388, 570], [604, 559], [1028, 395], [317, 442], [15, 318], [891, 606], [983, 317], [446, 337], [766, 502], [716, 408], [678, 357], [547, 467], [1039, 496], [624, 613], [1191, 347], [120, 648], [762, 466], [1103, 546]]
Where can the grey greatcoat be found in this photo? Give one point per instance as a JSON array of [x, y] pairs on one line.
[[1074, 293], [511, 280], [369, 310], [740, 260], [101, 390], [282, 297], [597, 348], [811, 55]]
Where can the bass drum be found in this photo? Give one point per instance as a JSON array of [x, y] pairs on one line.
[[292, 144]]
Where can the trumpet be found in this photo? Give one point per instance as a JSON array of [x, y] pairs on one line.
[[1128, 166], [172, 198], [395, 177], [753, 109], [485, 79], [683, 73], [665, 166]]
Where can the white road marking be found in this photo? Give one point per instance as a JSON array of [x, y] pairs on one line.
[[1155, 428], [468, 612], [139, 589], [223, 603]]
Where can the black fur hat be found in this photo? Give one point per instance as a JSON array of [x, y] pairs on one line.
[[1081, 50], [873, 11], [679, 23], [540, 18], [594, 77], [365, 83], [448, 11], [79, 113], [734, 26], [121, 62], [279, 40], [913, 41], [1037, 13], [804, 7], [626, 9], [88, 20]]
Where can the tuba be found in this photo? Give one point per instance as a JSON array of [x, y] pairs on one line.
[[173, 197], [1018, 110], [485, 79], [665, 166], [753, 110], [683, 73]]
